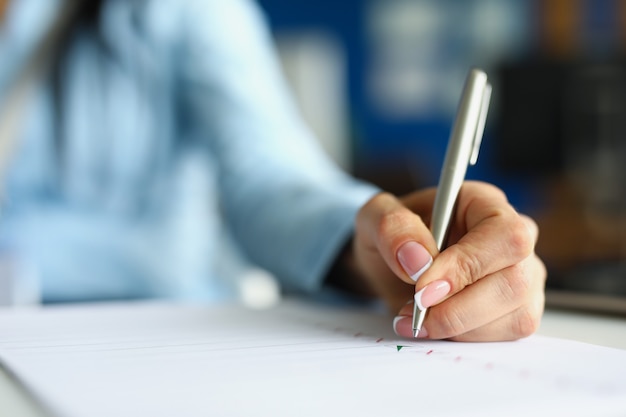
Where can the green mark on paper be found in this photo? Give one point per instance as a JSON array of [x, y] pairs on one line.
[[399, 347]]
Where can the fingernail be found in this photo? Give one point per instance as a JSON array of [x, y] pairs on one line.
[[432, 294], [415, 259], [403, 326]]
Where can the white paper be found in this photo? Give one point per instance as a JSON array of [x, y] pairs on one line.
[[298, 359]]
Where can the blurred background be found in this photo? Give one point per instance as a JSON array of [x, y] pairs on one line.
[[379, 81]]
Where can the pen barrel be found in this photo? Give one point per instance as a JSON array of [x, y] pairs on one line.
[[445, 206], [464, 141]]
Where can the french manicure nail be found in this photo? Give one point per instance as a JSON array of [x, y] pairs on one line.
[[415, 259], [402, 325], [431, 294], [396, 319]]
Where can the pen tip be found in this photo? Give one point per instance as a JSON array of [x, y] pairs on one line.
[[416, 332]]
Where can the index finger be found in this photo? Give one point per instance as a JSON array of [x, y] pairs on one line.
[[487, 236]]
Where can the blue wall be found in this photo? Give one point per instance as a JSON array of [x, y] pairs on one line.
[[381, 142]]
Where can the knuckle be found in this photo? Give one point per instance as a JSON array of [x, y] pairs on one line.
[[526, 323], [532, 226], [451, 323], [486, 188], [516, 283], [496, 191], [521, 241], [392, 221], [469, 267], [372, 206]]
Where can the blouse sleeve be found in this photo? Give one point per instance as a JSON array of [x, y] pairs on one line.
[[289, 207]]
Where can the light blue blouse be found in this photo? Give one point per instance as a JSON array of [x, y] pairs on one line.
[[180, 137]]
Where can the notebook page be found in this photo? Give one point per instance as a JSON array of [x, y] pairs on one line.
[[296, 359]]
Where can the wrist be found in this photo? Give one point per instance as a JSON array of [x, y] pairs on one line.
[[345, 274]]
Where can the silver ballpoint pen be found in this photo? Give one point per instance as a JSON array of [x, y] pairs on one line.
[[462, 150]]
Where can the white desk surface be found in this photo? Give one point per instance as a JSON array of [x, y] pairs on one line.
[[596, 329]]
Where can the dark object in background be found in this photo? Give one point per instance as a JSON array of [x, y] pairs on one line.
[[561, 127], [529, 122]]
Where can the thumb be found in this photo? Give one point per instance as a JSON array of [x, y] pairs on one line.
[[398, 235]]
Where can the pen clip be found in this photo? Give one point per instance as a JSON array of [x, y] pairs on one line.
[[480, 127]]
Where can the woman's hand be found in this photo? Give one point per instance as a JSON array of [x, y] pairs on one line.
[[487, 285]]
